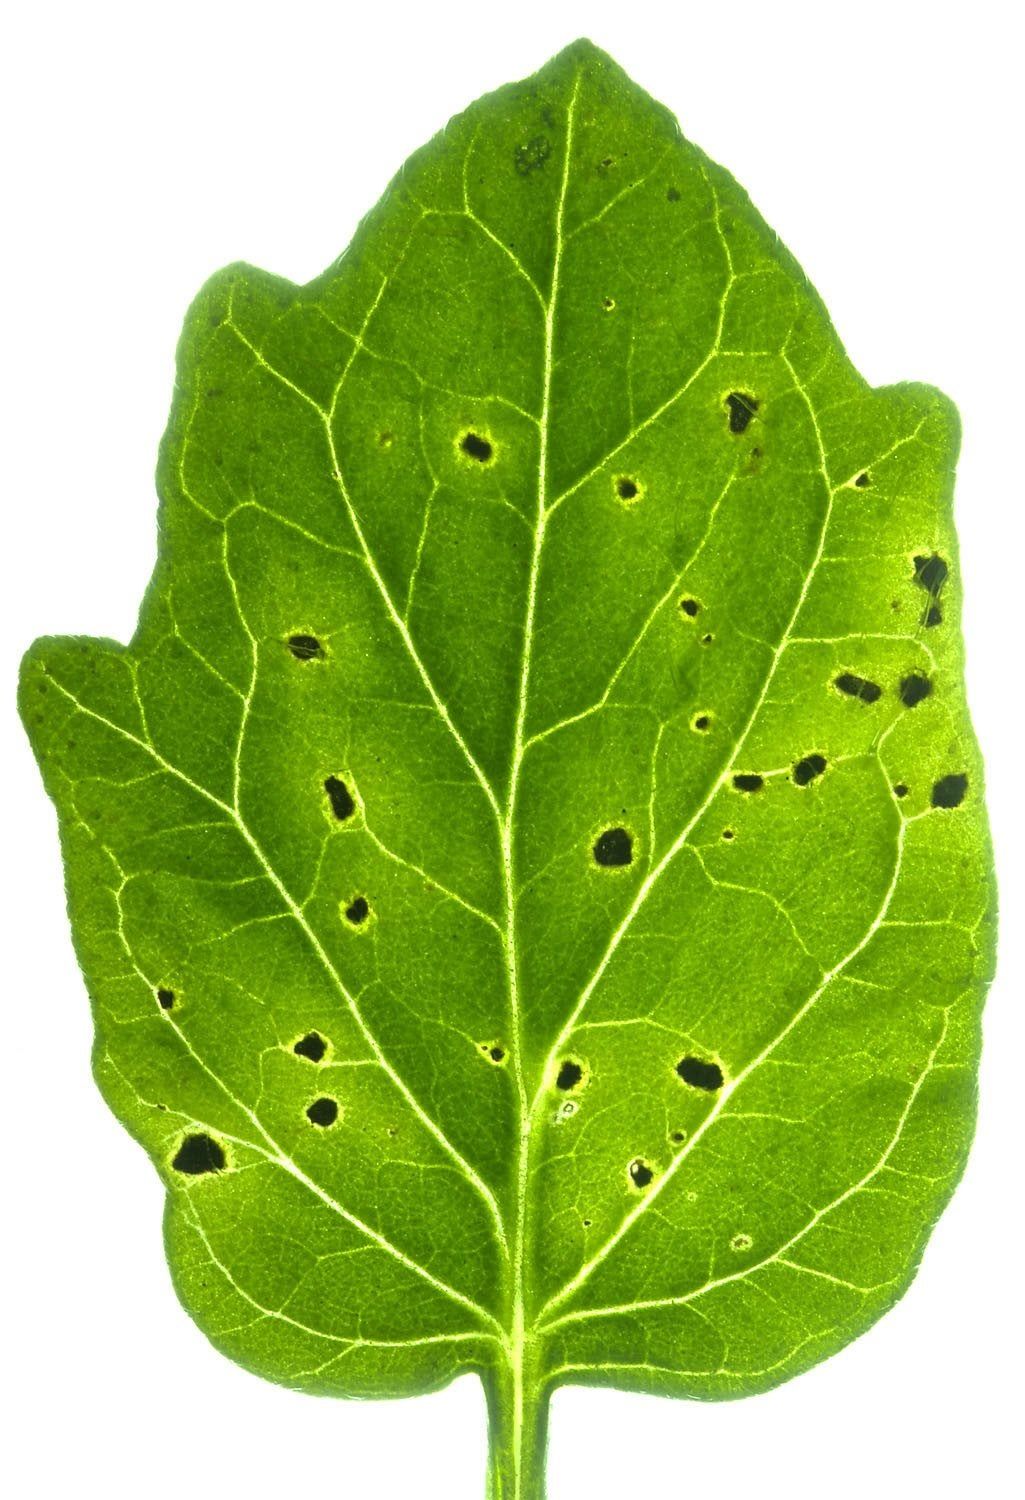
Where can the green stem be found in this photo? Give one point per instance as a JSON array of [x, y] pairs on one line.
[[517, 1428]]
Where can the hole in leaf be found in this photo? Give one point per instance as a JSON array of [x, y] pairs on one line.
[[950, 791], [357, 911], [863, 480], [931, 573], [900, 790], [640, 1173], [342, 804], [741, 409], [858, 687], [807, 769], [933, 615], [700, 1073], [746, 781], [198, 1154], [475, 446], [311, 1046], [627, 488], [690, 607], [165, 999], [305, 647], [323, 1112], [613, 847], [913, 689], [570, 1075]]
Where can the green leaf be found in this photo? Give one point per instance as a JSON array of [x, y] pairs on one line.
[[529, 866]]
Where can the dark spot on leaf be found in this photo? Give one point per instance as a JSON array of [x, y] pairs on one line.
[[858, 687], [900, 790], [690, 607], [931, 573], [700, 1073], [608, 303], [862, 480], [305, 647], [728, 834], [702, 722], [357, 911], [678, 1136], [613, 847], [312, 1046], [475, 446], [606, 162], [570, 1075], [950, 791], [322, 1112], [529, 157], [385, 439], [493, 1052], [933, 615], [673, 195], [807, 769], [198, 1154], [741, 409], [706, 640], [746, 781], [340, 798], [640, 1173], [627, 488], [586, 1223], [165, 999], [913, 689]]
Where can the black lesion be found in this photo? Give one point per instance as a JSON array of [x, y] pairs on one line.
[[700, 1073], [477, 447], [165, 999], [343, 804], [357, 911], [863, 480], [931, 573], [950, 791], [322, 1112], [741, 409], [627, 488], [689, 607], [640, 1173], [858, 687], [494, 1052], [570, 1075], [312, 1046], [613, 847], [748, 781], [198, 1154], [807, 769], [914, 689]]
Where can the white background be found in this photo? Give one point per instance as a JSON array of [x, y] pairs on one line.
[[146, 146]]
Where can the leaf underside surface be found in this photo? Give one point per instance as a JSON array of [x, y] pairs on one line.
[[529, 866]]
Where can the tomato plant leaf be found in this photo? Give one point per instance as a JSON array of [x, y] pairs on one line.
[[529, 865]]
